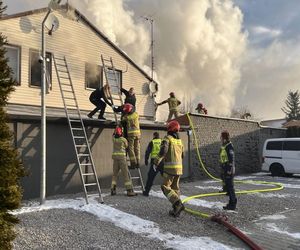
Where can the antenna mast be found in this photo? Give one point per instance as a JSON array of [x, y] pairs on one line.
[[151, 21]]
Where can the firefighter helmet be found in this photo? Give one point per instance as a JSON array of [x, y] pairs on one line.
[[118, 131], [173, 126], [225, 135], [127, 108]]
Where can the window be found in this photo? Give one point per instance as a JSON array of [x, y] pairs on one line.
[[115, 86], [13, 54], [291, 145], [274, 145], [93, 76], [36, 69]]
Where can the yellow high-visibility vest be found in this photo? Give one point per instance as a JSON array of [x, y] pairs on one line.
[[173, 103], [155, 147], [173, 159], [119, 148], [223, 154], [133, 124]]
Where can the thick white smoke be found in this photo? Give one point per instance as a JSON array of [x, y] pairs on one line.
[[199, 45]]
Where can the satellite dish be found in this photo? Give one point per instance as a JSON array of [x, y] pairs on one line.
[[153, 87], [54, 4], [52, 23]]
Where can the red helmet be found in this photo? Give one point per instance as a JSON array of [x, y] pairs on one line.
[[118, 131], [173, 126], [127, 108], [225, 135]]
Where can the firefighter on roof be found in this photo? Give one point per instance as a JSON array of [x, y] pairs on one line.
[[120, 145], [173, 105], [201, 110], [131, 123], [171, 151]]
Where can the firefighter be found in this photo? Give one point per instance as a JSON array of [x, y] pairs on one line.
[[173, 105], [201, 110], [120, 145], [129, 96], [99, 98], [228, 168], [131, 124], [152, 151], [171, 151]]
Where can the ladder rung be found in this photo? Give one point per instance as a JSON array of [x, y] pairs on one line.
[[82, 145], [88, 174], [64, 77], [85, 164], [57, 58], [64, 84], [77, 137], [62, 71], [83, 154], [135, 178], [69, 98], [91, 184], [92, 195], [71, 120], [70, 105], [62, 65], [77, 129], [69, 91]]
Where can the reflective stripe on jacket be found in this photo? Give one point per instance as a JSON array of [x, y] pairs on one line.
[[173, 103], [119, 148], [173, 159], [155, 147], [133, 124]]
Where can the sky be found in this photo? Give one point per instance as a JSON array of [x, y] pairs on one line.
[[244, 53]]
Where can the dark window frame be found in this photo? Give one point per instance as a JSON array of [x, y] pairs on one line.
[[20, 60], [293, 142], [86, 76], [48, 55], [121, 76], [269, 147]]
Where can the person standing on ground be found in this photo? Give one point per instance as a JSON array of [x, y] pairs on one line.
[[152, 151], [120, 146], [171, 151], [99, 97], [228, 168], [129, 96], [173, 105], [131, 124]]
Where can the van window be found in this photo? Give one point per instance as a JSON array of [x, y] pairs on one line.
[[274, 145], [291, 145]]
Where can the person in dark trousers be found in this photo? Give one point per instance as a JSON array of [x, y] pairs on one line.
[[152, 151], [228, 168], [99, 98], [129, 96]]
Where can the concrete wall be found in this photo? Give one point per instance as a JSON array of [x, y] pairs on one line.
[[247, 137], [62, 170]]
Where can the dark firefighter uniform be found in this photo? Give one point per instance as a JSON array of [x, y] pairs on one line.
[[228, 168], [152, 151], [171, 152]]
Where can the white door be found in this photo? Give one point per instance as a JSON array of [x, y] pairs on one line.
[[291, 156]]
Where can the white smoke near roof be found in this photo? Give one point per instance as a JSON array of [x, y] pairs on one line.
[[198, 44]]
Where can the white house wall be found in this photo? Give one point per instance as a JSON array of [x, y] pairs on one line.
[[80, 44]]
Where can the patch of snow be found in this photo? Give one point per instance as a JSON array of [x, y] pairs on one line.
[[273, 217], [209, 187], [240, 178], [211, 181], [260, 174], [274, 228], [197, 202], [273, 195], [287, 185], [128, 222]]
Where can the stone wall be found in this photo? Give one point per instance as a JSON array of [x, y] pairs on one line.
[[247, 137]]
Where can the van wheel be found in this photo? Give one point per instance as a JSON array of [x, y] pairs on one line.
[[277, 170]]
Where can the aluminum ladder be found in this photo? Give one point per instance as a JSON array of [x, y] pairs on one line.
[[113, 80], [84, 156]]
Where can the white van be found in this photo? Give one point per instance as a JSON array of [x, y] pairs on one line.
[[281, 156]]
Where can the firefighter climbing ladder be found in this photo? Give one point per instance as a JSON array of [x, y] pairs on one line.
[[112, 80], [82, 148]]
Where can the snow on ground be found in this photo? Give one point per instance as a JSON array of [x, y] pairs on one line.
[[197, 202], [128, 222], [273, 217], [287, 185], [208, 187], [274, 228], [274, 195]]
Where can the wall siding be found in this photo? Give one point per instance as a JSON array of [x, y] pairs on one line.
[[80, 44]]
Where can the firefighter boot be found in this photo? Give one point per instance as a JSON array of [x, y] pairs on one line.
[[178, 207], [113, 190], [131, 193], [231, 205]]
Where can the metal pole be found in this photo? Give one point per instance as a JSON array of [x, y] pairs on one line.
[[152, 48], [43, 116]]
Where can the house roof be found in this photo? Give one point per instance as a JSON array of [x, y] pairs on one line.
[[292, 123], [88, 23]]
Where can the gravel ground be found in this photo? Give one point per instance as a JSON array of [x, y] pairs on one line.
[[71, 229]]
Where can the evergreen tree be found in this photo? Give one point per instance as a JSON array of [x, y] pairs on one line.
[[11, 169], [292, 109]]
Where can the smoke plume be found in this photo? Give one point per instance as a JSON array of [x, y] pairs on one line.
[[199, 45]]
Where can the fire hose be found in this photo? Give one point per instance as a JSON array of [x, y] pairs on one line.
[[219, 218]]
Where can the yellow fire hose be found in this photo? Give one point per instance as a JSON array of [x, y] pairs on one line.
[[277, 187]]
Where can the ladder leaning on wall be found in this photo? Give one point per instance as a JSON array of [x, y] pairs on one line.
[[84, 156], [115, 96]]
